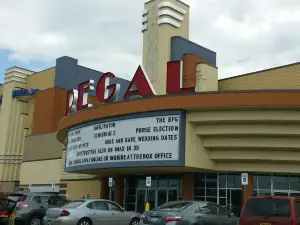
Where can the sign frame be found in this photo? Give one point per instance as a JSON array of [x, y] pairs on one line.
[[244, 178], [148, 181], [160, 163], [110, 181]]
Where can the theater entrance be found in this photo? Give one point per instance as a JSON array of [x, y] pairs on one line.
[[156, 197], [164, 188]]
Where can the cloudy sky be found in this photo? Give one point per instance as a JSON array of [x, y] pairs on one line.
[[106, 34]]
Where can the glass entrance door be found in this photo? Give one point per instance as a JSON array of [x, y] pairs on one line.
[[156, 197], [234, 201]]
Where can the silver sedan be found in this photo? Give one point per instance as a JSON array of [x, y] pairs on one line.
[[90, 211]]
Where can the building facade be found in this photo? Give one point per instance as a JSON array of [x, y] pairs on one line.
[[190, 132]]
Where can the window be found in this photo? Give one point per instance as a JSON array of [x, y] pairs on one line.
[[74, 204], [210, 208], [267, 207], [16, 198], [174, 206], [113, 207], [56, 200], [216, 209], [97, 205], [36, 199]]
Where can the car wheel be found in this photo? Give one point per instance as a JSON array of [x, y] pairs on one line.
[[36, 220], [134, 221], [84, 222]]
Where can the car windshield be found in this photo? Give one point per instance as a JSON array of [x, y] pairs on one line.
[[73, 204], [268, 207], [173, 206], [14, 197]]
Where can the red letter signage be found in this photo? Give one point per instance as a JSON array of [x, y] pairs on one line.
[[175, 78], [141, 84], [71, 104], [106, 91], [83, 93]]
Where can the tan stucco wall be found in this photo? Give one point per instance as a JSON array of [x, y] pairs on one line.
[[206, 78], [78, 189], [244, 140], [52, 149], [40, 172], [42, 80], [285, 77]]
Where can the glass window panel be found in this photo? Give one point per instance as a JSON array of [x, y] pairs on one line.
[[197, 198], [130, 207], [222, 201], [130, 198], [211, 192], [154, 181], [264, 192], [173, 181], [222, 180], [172, 195], [130, 191], [200, 180], [264, 181], [295, 183], [255, 182], [162, 181], [254, 193], [211, 180], [161, 197], [281, 182], [211, 199], [199, 192], [141, 182], [222, 193], [131, 182], [233, 180]]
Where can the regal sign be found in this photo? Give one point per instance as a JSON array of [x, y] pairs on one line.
[[140, 85]]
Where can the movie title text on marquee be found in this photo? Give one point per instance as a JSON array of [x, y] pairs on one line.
[[131, 140]]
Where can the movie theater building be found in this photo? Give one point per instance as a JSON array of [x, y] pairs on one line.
[[69, 129], [176, 123]]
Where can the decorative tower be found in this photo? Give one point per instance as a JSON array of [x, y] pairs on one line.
[[162, 19]]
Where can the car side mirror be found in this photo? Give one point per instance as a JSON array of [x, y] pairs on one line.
[[122, 209]]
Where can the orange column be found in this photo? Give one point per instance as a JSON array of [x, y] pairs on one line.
[[119, 190], [248, 189], [187, 186], [104, 191]]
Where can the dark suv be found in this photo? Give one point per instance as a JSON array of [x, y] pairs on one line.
[[31, 207]]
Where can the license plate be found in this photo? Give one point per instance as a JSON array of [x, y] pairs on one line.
[[264, 223], [154, 219]]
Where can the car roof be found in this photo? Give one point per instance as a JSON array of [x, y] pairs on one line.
[[273, 197], [34, 193]]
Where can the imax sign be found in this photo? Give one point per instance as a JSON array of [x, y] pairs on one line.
[[24, 92]]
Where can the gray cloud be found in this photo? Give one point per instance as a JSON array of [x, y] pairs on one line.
[[106, 35]]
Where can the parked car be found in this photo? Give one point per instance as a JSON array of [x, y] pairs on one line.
[[189, 213], [90, 211], [7, 208], [31, 207], [269, 210]]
